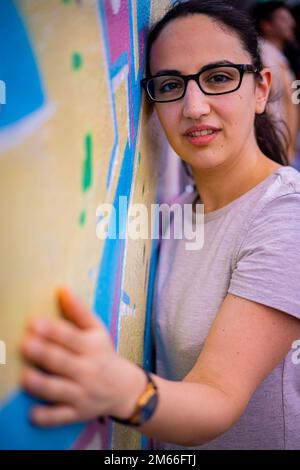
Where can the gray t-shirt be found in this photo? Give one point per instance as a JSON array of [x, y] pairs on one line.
[[252, 250]]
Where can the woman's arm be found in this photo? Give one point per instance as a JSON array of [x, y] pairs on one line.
[[246, 341]]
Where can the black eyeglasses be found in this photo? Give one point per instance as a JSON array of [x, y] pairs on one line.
[[212, 80]]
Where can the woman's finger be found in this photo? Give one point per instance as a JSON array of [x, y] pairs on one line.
[[49, 416], [49, 388], [50, 357], [59, 331]]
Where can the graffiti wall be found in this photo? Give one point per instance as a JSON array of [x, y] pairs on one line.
[[74, 134]]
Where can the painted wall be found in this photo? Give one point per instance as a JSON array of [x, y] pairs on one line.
[[73, 134]]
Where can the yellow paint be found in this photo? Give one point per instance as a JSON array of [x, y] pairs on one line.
[[42, 244]]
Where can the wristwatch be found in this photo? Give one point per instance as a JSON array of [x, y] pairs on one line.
[[145, 405]]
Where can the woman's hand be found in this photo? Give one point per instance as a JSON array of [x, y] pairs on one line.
[[87, 377]]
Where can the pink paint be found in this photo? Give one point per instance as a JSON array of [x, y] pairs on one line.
[[90, 433], [142, 43], [118, 29]]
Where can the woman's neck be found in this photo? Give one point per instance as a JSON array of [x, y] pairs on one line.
[[220, 186]]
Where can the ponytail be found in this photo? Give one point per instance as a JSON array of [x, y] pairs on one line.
[[271, 139]]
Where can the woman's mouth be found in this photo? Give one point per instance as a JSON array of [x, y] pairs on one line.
[[203, 137]]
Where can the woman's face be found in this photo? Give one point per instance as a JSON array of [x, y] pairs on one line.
[[186, 45]]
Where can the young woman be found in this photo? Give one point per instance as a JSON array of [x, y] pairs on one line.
[[227, 316]]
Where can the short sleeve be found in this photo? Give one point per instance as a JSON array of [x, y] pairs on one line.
[[267, 267]]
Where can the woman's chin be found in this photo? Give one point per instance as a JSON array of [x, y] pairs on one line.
[[204, 162]]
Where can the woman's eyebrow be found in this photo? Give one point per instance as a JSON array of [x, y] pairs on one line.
[[168, 71], [177, 72]]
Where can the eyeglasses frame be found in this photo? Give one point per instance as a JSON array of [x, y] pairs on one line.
[[242, 68]]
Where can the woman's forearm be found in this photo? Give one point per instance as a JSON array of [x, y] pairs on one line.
[[189, 414]]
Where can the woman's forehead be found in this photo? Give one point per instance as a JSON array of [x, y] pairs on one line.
[[195, 41]]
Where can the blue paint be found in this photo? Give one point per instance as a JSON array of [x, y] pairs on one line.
[[118, 65], [17, 432], [113, 251], [149, 349], [108, 274], [18, 68], [107, 281], [148, 338], [125, 298]]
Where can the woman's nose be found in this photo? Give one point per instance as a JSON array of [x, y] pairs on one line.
[[195, 102]]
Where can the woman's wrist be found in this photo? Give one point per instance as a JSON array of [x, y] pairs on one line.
[[145, 405], [131, 383]]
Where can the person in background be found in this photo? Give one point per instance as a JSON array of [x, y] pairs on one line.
[[276, 27]]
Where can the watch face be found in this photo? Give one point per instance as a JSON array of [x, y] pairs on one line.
[[149, 408]]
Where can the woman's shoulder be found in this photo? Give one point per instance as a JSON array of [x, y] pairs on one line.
[[284, 187], [272, 214], [281, 187], [277, 212]]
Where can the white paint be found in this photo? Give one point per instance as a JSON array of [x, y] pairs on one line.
[[116, 5], [2, 92], [15, 134], [135, 39], [120, 78], [2, 353]]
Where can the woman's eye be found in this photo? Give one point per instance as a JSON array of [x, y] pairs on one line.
[[219, 78], [170, 86]]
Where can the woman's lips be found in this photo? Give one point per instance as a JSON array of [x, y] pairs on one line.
[[202, 139]]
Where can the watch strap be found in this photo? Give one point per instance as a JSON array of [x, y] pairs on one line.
[[145, 406]]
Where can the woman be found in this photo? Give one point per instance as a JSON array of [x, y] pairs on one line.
[[227, 316]]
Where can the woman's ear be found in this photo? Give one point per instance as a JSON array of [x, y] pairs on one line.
[[262, 90]]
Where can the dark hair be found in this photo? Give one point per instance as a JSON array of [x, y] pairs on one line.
[[264, 12], [271, 141]]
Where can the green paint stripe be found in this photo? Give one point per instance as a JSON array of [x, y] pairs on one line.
[[82, 218], [87, 164], [76, 60]]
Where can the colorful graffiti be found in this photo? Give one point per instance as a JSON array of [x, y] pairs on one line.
[[73, 134]]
